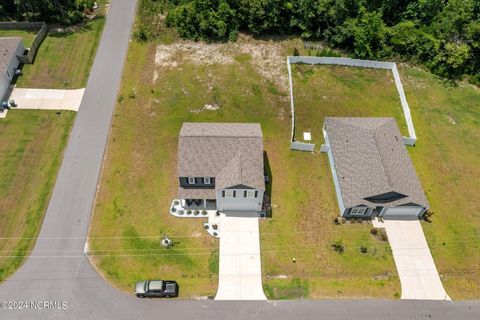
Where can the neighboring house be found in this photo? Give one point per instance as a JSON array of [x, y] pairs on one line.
[[10, 50], [220, 166], [372, 171]]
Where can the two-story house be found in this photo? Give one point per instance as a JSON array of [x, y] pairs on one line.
[[220, 166]]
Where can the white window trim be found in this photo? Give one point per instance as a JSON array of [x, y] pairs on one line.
[[358, 211], [207, 180], [251, 194], [191, 180], [229, 194]]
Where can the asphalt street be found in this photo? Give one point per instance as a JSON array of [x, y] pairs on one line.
[[57, 280]]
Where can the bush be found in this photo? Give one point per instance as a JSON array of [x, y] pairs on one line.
[[189, 211], [379, 234], [442, 35], [196, 212], [427, 216], [338, 247], [363, 249], [204, 212]]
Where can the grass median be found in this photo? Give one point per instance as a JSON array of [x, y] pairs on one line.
[[31, 153]]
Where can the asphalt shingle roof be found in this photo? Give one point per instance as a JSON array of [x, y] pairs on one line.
[[8, 46], [230, 152], [371, 159]]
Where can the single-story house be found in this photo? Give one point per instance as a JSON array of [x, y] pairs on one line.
[[10, 50], [372, 171], [220, 166]]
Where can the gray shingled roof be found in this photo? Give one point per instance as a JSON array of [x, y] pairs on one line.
[[371, 159], [230, 152], [8, 46]]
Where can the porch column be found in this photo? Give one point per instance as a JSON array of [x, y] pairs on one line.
[[205, 203]]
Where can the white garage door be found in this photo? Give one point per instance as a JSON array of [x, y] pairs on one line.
[[403, 211]]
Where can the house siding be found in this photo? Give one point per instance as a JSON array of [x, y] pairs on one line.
[[6, 79], [343, 210], [239, 203], [198, 183]]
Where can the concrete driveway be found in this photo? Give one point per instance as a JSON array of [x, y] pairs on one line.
[[417, 271], [48, 99], [240, 274]]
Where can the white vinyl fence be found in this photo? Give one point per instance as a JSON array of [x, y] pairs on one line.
[[352, 63]]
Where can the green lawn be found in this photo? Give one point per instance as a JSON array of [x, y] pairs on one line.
[[27, 36], [30, 153], [139, 178], [447, 156], [447, 159], [322, 91], [64, 59]]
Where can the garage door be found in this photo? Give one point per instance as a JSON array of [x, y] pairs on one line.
[[403, 211]]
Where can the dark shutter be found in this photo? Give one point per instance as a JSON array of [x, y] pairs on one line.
[[245, 193], [223, 193], [256, 193], [234, 193]]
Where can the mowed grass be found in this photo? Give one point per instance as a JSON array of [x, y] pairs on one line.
[[446, 157], [63, 60], [139, 181], [27, 36], [30, 153], [338, 91], [447, 160]]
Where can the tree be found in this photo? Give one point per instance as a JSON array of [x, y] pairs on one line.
[[204, 19], [367, 34]]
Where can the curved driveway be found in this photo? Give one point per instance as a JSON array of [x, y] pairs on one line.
[[58, 272]]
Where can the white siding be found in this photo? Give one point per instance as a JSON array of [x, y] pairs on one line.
[[334, 174], [8, 75]]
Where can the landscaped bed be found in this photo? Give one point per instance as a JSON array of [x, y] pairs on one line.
[[30, 156], [304, 253]]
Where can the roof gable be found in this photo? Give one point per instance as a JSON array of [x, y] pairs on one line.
[[371, 160], [230, 152]]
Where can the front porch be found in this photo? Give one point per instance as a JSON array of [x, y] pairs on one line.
[[200, 204], [193, 207]]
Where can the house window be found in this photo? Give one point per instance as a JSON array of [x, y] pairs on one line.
[[250, 194], [229, 193], [206, 180], [358, 211], [191, 180]]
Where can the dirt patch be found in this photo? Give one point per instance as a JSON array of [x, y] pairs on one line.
[[267, 57]]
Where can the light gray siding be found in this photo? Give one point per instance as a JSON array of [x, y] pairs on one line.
[[403, 211], [334, 174], [239, 203], [10, 72]]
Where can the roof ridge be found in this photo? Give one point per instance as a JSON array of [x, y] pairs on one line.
[[387, 173]]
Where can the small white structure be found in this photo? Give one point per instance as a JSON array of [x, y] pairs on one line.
[[307, 136]]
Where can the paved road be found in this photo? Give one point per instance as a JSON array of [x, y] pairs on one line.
[[58, 272]]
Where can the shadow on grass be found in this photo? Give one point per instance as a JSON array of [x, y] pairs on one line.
[[268, 185]]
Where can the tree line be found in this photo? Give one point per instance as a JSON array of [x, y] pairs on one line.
[[442, 35], [57, 11]]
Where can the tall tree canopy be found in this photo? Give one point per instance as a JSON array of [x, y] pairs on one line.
[[443, 35]]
